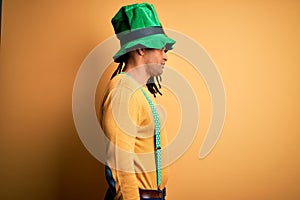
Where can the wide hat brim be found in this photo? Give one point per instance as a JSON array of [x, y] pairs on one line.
[[157, 41]]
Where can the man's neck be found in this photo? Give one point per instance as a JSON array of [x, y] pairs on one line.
[[138, 73]]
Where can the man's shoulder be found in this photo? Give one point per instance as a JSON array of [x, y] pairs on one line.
[[124, 83]]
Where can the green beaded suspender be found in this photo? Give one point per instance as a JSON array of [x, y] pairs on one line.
[[157, 136], [157, 139]]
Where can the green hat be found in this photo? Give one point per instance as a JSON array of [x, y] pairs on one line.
[[137, 26]]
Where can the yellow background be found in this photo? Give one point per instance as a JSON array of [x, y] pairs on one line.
[[255, 45]]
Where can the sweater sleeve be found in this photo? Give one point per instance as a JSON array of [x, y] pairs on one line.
[[121, 127]]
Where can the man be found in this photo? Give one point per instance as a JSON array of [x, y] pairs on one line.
[[129, 117]]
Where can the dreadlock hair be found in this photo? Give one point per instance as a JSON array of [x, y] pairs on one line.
[[123, 60], [152, 87], [118, 70], [153, 83]]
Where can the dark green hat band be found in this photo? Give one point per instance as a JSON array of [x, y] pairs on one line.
[[139, 33]]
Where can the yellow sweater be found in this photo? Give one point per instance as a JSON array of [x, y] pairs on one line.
[[127, 121]]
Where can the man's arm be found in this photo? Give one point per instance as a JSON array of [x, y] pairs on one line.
[[120, 126]]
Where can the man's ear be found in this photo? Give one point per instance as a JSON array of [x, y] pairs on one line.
[[140, 52]]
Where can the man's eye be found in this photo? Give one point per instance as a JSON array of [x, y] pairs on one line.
[[165, 50]]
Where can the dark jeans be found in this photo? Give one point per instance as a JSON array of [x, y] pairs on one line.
[[111, 191], [109, 196]]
